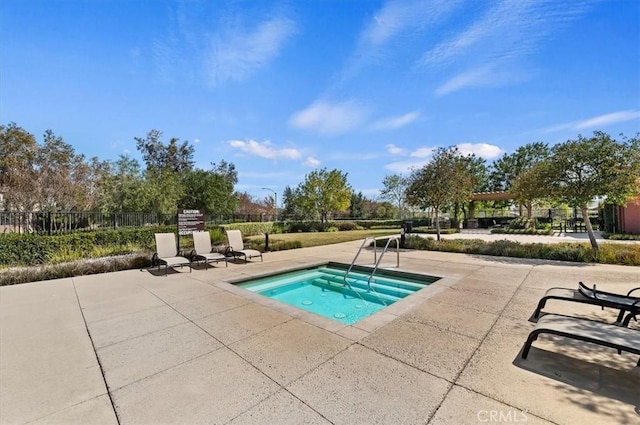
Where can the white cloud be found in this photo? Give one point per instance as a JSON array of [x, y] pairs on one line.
[[205, 42], [483, 150], [393, 123], [405, 167], [422, 152], [508, 32], [330, 118], [607, 119], [471, 78], [238, 53], [196, 141], [311, 162], [596, 122], [396, 23], [264, 149], [395, 150]]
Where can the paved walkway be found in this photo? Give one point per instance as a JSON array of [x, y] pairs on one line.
[[134, 347]]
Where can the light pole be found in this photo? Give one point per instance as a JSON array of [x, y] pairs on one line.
[[275, 202]]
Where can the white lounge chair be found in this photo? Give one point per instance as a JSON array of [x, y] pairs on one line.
[[236, 246], [204, 252], [167, 252]]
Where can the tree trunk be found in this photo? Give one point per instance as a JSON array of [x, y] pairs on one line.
[[438, 224], [529, 208], [587, 223]]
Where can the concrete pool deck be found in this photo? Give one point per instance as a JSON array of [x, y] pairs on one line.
[[138, 347]]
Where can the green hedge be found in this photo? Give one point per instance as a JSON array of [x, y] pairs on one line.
[[31, 249], [625, 254], [250, 229]]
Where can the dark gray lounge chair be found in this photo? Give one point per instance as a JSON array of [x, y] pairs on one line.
[[204, 252], [236, 246], [626, 304], [167, 252], [605, 334]]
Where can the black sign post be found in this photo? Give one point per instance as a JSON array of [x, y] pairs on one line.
[[189, 221]]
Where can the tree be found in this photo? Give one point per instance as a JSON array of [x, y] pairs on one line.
[[394, 190], [123, 187], [356, 207], [48, 176], [176, 156], [18, 152], [62, 176], [445, 180], [477, 169], [324, 192], [291, 208], [208, 191], [506, 170], [578, 171], [249, 205], [226, 170]]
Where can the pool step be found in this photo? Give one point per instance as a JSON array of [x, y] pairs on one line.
[[375, 297], [379, 279], [377, 286]]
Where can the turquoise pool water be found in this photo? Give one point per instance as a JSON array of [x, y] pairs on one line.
[[321, 290]]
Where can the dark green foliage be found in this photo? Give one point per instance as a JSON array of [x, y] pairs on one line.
[[30, 249], [17, 249]]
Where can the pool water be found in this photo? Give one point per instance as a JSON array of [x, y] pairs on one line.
[[321, 290]]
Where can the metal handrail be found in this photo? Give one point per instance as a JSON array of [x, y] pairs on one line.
[[356, 257], [375, 268]]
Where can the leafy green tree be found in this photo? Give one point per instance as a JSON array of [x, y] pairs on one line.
[[208, 191], [578, 171], [123, 187], [164, 189], [506, 170], [394, 191], [356, 208], [291, 205], [175, 156], [477, 168], [383, 210], [226, 170], [324, 192], [445, 180]]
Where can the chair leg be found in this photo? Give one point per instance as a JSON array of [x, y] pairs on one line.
[[527, 346], [541, 305]]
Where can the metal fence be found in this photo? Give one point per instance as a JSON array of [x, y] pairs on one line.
[[45, 222]]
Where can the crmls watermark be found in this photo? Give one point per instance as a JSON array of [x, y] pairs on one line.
[[504, 416]]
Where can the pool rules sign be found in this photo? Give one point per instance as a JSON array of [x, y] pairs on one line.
[[190, 221]]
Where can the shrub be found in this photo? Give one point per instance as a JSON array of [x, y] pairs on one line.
[[628, 255], [84, 267], [250, 229], [621, 236], [346, 225]]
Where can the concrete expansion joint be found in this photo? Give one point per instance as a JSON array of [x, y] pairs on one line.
[[95, 352]]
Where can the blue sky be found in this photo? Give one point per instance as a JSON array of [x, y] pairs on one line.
[[280, 88]]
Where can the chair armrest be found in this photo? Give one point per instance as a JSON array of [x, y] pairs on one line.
[[634, 289], [154, 259]]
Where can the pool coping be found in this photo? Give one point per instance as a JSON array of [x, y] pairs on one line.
[[356, 331]]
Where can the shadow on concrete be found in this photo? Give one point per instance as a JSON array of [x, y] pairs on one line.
[[576, 379]]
